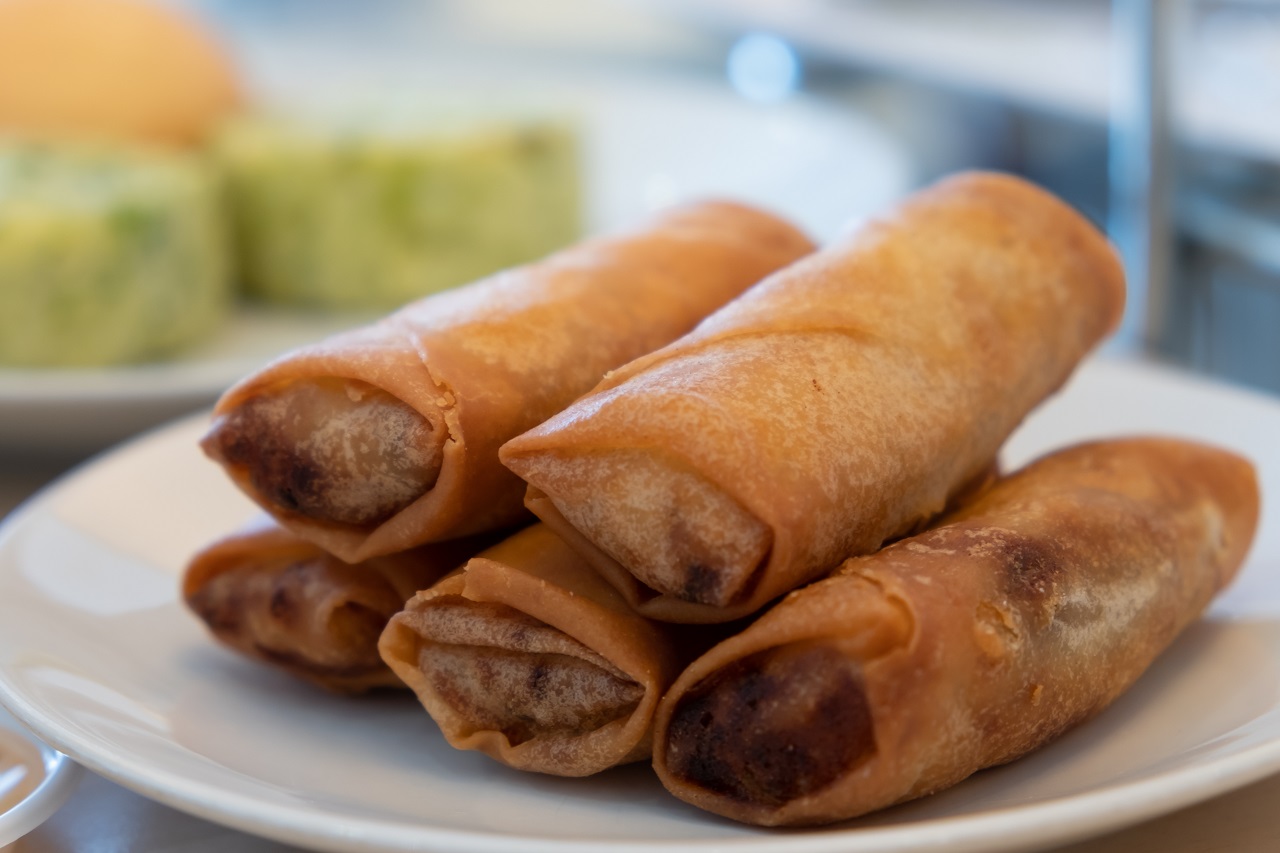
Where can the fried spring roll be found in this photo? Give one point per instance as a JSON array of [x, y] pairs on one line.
[[967, 646], [280, 600], [832, 407], [527, 655], [387, 437]]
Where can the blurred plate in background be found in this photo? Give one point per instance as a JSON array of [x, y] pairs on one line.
[[648, 144]]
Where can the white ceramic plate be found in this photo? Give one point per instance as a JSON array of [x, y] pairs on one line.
[[98, 657], [57, 774], [647, 144]]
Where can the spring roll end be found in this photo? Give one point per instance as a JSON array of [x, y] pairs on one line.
[[771, 728], [276, 617], [331, 450], [497, 669], [677, 533]]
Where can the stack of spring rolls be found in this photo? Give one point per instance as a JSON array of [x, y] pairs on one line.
[[772, 552]]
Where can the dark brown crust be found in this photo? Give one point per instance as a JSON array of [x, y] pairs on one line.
[[773, 726], [1022, 614]]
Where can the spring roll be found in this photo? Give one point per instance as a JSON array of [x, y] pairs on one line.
[[387, 437], [834, 406], [527, 655], [278, 599], [967, 646]]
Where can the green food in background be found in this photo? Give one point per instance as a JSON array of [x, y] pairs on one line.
[[108, 254], [361, 217]]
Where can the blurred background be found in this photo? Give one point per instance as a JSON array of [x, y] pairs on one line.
[[190, 186]]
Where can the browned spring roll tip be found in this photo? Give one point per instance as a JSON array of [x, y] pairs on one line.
[[386, 437], [272, 597], [838, 404], [533, 678], [331, 449], [1020, 615], [775, 726], [527, 655]]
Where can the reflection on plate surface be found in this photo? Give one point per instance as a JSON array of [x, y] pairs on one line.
[[34, 780], [647, 144], [105, 664], [21, 769]]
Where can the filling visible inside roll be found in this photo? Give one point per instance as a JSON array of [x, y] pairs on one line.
[[773, 726], [334, 450], [302, 616], [502, 670], [675, 532], [353, 629]]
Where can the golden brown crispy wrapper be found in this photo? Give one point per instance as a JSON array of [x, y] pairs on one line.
[[527, 655], [278, 599], [387, 437], [834, 406], [966, 646]]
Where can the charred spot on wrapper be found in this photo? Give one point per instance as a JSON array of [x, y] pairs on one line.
[[701, 583], [772, 727], [1031, 566], [537, 681], [281, 606], [1034, 563]]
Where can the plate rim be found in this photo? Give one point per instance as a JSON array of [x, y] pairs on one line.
[[1027, 827]]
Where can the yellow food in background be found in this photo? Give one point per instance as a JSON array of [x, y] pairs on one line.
[[377, 213], [111, 252], [119, 68], [108, 253]]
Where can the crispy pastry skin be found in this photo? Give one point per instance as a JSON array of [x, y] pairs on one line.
[[280, 600], [527, 655], [966, 646], [387, 437], [834, 406]]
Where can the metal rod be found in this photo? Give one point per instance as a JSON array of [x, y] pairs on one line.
[[1141, 164]]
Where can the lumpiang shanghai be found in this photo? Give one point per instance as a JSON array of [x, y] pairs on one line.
[[844, 417]]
